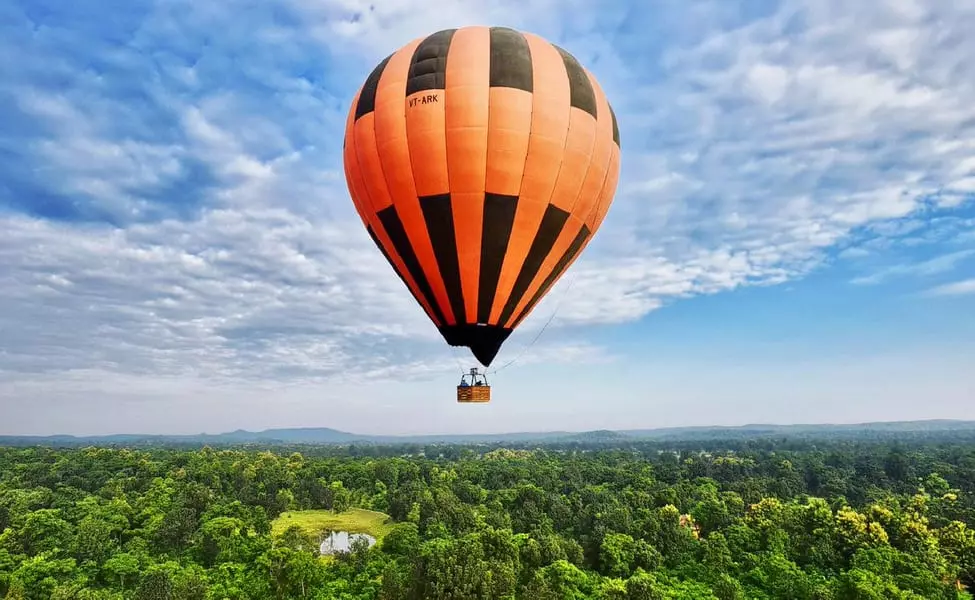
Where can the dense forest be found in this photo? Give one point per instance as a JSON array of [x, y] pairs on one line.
[[765, 519]]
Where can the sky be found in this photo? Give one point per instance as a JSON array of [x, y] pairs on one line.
[[792, 239]]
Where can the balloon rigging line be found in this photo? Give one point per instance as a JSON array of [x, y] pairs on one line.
[[572, 280], [558, 306], [457, 360], [538, 335]]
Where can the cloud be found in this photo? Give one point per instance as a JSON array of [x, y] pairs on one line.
[[172, 199], [958, 288], [934, 266], [255, 294], [757, 150], [233, 294]]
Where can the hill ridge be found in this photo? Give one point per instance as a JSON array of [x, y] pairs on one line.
[[327, 435]]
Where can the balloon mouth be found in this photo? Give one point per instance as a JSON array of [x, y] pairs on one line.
[[484, 340]]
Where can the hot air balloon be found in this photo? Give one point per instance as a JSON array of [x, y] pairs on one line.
[[481, 160]]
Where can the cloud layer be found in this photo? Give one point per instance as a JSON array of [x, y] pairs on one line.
[[172, 202]]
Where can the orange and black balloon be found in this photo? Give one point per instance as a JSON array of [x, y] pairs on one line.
[[481, 160]]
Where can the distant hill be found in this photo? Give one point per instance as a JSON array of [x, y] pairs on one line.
[[305, 435], [326, 436], [600, 436], [802, 430]]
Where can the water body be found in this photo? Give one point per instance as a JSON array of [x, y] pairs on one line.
[[341, 541]]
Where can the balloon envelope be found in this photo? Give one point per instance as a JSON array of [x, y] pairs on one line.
[[482, 160]]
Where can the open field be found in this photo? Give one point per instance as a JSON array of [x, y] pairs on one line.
[[355, 520]]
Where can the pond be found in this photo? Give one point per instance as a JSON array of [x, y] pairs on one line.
[[341, 541]]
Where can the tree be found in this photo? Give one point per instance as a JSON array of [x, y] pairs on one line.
[[617, 555], [643, 586], [38, 576], [45, 531], [94, 541], [155, 584], [123, 568], [176, 529], [732, 519], [560, 580], [402, 540]]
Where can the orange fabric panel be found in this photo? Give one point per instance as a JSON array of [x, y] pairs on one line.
[[466, 103], [596, 214], [572, 227], [370, 165], [394, 153], [466, 123], [593, 221], [549, 127], [587, 182], [582, 249], [576, 157], [360, 196], [510, 116], [349, 161], [594, 198], [609, 189], [591, 196], [427, 138]]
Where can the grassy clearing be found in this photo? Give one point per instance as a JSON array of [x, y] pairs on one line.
[[355, 520]]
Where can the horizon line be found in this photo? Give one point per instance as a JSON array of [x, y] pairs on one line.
[[498, 433]]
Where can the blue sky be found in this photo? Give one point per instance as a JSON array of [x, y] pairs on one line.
[[793, 238]]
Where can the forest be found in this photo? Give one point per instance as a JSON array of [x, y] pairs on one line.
[[762, 519]]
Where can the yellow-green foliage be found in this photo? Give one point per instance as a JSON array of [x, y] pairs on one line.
[[355, 520]]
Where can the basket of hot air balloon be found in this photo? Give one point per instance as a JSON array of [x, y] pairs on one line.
[[475, 389], [481, 160]]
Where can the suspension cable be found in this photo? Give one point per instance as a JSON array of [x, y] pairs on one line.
[[538, 335], [572, 279], [457, 360]]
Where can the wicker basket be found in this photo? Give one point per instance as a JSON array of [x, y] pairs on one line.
[[473, 393]]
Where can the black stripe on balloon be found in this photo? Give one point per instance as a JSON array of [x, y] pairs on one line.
[[499, 219], [548, 231], [428, 67], [389, 259], [367, 97], [557, 270], [439, 217], [511, 60], [581, 94], [401, 243], [616, 127]]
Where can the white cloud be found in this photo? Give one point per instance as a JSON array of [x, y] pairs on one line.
[[768, 82], [240, 294], [245, 294], [800, 142], [933, 266], [958, 288]]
